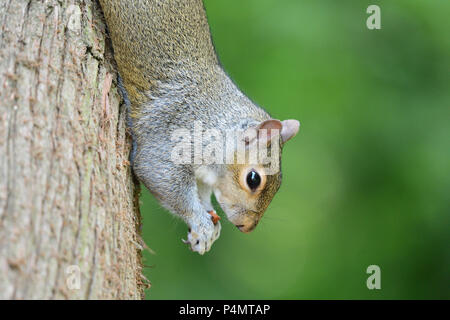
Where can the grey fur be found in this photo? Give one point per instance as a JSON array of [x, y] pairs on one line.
[[173, 77]]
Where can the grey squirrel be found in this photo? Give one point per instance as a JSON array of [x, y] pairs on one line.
[[173, 79]]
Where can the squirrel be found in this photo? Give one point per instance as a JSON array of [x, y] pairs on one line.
[[172, 79]]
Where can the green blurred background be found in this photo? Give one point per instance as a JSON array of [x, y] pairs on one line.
[[367, 179]]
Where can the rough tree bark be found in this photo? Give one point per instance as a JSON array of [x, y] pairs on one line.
[[68, 201]]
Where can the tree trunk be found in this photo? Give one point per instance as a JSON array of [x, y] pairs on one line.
[[69, 218]]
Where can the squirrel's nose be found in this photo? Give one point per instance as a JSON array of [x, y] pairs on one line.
[[247, 228]]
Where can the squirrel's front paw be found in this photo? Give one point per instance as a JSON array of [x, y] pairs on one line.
[[201, 237]]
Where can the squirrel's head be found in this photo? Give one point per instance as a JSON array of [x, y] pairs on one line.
[[246, 188]]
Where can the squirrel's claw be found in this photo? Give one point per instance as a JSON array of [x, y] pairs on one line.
[[188, 243]]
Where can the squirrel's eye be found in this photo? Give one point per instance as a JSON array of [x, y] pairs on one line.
[[253, 180]]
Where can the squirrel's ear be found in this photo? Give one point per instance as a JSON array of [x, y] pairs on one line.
[[265, 130], [289, 129], [270, 125]]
